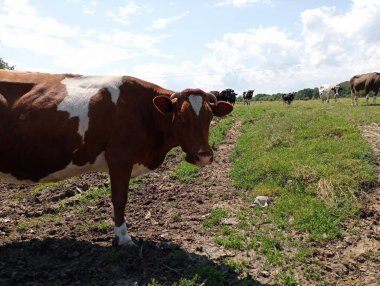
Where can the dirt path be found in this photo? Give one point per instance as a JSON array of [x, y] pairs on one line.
[[355, 260], [173, 211]]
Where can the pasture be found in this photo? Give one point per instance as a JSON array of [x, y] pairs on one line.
[[195, 226]]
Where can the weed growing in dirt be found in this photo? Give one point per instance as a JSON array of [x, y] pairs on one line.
[[215, 217], [21, 226], [94, 195], [37, 190], [100, 226], [185, 172]]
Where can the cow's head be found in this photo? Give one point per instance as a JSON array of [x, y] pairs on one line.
[[192, 111], [337, 90]]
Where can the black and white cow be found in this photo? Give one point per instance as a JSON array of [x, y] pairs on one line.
[[328, 91]]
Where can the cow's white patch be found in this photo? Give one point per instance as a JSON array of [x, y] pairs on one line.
[[139, 169], [196, 102], [80, 90], [71, 170], [124, 238]]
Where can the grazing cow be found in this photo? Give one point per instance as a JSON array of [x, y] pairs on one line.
[[328, 91], [247, 96], [54, 126], [288, 97], [228, 95], [367, 82]]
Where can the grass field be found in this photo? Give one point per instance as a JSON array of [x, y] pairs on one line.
[[309, 158], [313, 163]]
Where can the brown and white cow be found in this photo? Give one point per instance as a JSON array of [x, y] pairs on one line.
[[54, 126], [367, 82]]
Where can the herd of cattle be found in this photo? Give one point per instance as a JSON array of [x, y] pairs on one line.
[[365, 82], [55, 126]]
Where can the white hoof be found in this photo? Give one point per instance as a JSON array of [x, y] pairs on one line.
[[122, 237]]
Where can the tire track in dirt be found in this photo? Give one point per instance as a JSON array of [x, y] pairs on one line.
[[355, 260]]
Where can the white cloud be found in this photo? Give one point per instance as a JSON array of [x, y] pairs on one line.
[[332, 48], [18, 15], [68, 48], [163, 22], [242, 3], [350, 41], [90, 8], [124, 13]]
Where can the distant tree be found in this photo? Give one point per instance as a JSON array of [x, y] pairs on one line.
[[304, 94], [5, 66], [316, 93]]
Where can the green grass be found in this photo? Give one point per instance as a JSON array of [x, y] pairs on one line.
[[22, 226], [185, 172], [313, 162], [94, 195], [311, 157], [219, 131], [101, 226], [215, 217], [51, 185]]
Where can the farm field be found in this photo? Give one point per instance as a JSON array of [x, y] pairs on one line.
[[317, 163]]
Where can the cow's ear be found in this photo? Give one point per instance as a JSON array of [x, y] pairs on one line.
[[163, 104], [222, 108]]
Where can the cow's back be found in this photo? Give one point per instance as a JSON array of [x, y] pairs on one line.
[[368, 81]]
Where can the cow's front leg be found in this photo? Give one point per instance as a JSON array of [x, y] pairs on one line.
[[119, 191]]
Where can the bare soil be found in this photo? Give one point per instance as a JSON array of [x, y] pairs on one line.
[[50, 238]]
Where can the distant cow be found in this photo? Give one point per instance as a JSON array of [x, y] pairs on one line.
[[288, 97], [228, 95], [367, 82], [54, 126], [328, 91], [247, 96]]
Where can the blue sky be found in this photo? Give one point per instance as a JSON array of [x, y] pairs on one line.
[[267, 45]]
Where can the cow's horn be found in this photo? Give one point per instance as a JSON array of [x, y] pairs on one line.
[[175, 95], [212, 97]]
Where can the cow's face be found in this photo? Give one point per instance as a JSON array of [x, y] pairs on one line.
[[337, 90], [192, 111]]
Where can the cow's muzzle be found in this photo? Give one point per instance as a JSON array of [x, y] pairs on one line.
[[200, 158], [203, 158]]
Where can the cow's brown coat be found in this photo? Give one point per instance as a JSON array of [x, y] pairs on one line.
[[37, 140], [367, 82]]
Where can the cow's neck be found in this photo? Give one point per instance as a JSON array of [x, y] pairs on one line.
[[163, 140]]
